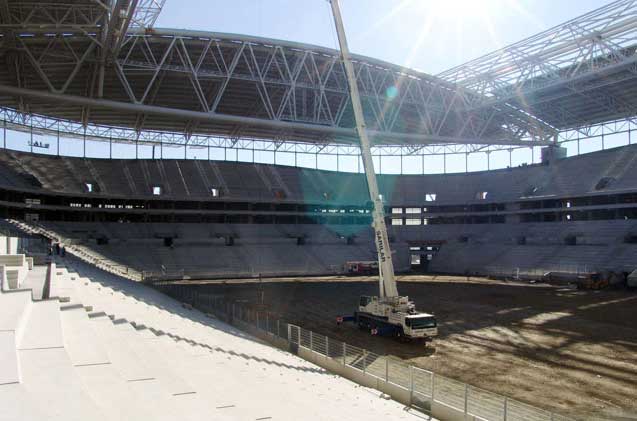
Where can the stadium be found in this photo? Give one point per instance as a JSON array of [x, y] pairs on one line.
[[189, 220]]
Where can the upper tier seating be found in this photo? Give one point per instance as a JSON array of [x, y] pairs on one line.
[[193, 179]]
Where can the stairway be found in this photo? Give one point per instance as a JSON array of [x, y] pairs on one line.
[[96, 176], [129, 178]]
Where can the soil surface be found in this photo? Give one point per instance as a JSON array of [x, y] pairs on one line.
[[574, 352]]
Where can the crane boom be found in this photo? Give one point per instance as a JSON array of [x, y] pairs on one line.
[[387, 282], [389, 313]]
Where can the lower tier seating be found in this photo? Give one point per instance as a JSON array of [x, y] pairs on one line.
[[107, 348]]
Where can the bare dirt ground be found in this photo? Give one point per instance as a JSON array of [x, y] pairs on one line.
[[574, 352]]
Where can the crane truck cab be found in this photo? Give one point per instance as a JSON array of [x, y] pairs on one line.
[[395, 316]]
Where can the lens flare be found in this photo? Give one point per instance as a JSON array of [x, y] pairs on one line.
[[391, 93]]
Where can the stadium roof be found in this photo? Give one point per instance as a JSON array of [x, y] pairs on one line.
[[101, 63], [573, 75]]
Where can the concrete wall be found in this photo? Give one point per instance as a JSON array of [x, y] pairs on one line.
[[12, 245], [16, 269], [8, 245]]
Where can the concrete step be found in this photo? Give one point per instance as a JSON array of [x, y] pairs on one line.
[[14, 310], [64, 286], [80, 341], [43, 327], [9, 368], [132, 366], [159, 363], [124, 400], [250, 377], [53, 386], [222, 398], [23, 407]]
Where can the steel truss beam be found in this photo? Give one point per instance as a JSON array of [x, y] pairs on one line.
[[146, 14], [608, 128], [556, 74], [46, 126], [176, 113], [308, 85], [226, 85], [51, 127]]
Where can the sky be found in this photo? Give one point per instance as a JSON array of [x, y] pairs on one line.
[[427, 35]]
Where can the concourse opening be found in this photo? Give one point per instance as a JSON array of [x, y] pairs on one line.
[[421, 254]]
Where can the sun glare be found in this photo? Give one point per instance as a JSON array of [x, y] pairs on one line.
[[453, 20], [458, 9], [461, 8]]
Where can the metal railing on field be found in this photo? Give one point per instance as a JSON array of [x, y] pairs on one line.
[[564, 271], [425, 388], [208, 274]]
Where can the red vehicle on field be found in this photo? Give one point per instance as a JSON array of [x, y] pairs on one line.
[[361, 268]]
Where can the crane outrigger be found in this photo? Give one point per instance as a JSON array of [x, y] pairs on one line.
[[387, 314]]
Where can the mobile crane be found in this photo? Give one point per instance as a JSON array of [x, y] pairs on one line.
[[387, 314]]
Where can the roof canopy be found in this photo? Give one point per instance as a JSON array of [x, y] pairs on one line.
[[573, 75], [83, 62], [101, 63]]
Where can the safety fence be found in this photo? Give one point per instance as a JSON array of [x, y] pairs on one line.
[[538, 273], [204, 273], [104, 263], [424, 389]]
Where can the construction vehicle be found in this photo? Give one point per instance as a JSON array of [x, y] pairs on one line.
[[388, 313], [360, 268], [593, 281], [396, 317]]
